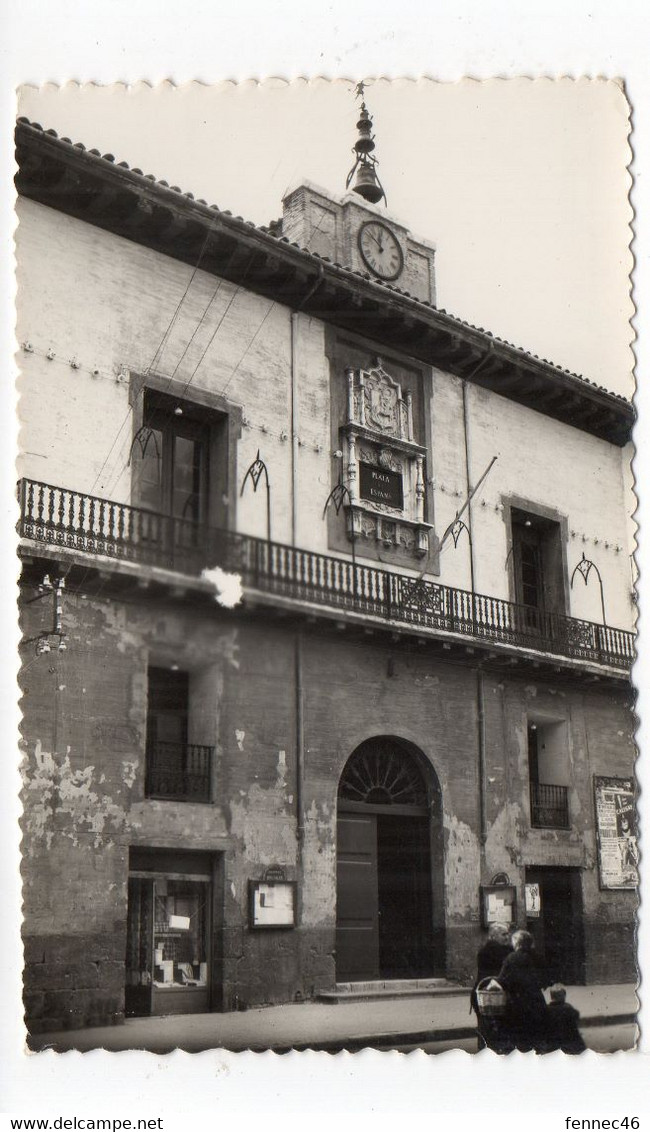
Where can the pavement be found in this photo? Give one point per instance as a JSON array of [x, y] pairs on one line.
[[385, 1023]]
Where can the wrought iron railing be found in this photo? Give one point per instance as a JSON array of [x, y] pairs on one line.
[[98, 526], [179, 771], [549, 806]]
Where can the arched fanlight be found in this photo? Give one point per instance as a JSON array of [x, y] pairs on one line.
[[381, 772]]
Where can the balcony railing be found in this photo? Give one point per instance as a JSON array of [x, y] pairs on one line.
[[116, 530], [549, 806], [179, 771]]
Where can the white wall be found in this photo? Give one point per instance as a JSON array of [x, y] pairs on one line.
[[545, 462], [108, 303]]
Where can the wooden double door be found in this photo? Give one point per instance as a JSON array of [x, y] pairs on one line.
[[384, 894]]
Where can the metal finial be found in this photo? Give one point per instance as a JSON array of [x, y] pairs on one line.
[[366, 181]]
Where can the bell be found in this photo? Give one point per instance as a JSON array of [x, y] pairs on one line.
[[366, 184], [364, 143]]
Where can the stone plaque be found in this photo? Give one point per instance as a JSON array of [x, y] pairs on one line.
[[379, 485]]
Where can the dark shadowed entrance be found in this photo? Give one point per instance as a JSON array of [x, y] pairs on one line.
[[558, 930], [389, 865]]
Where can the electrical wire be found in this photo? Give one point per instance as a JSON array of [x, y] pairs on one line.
[[158, 348], [157, 395], [158, 353], [240, 287], [165, 338]]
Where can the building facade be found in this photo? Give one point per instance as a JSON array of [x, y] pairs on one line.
[[326, 605]]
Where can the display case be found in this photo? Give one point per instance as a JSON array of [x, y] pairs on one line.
[[271, 903], [499, 904], [167, 945]]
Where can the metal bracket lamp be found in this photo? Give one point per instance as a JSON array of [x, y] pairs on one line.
[[255, 472]]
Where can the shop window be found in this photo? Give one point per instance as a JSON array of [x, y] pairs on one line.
[[179, 933], [175, 768], [168, 933], [548, 769]]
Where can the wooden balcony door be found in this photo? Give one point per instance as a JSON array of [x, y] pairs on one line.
[[529, 573], [171, 480], [173, 477], [538, 568]]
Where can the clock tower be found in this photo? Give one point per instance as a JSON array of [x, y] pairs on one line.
[[355, 231], [379, 407]]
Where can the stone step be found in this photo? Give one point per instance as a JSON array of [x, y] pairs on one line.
[[390, 988]]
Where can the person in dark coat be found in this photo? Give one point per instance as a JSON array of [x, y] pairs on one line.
[[523, 978], [563, 1023], [489, 962]]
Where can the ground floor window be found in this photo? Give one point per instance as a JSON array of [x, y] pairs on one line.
[[168, 934]]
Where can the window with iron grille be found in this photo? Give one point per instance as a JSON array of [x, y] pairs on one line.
[[175, 768], [547, 768]]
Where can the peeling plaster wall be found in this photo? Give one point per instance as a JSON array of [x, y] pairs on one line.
[[84, 732], [84, 737], [600, 740], [319, 864], [605, 733], [350, 697], [81, 738], [462, 863]]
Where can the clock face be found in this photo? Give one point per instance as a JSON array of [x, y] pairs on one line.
[[380, 250]]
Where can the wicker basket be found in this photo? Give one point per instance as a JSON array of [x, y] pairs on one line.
[[491, 1003]]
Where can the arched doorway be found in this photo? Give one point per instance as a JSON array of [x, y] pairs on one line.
[[390, 911]]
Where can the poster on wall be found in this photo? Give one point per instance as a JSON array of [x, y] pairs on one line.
[[533, 897], [618, 854]]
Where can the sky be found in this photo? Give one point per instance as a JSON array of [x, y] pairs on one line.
[[520, 184]]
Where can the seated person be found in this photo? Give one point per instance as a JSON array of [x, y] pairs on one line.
[[563, 1032]]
